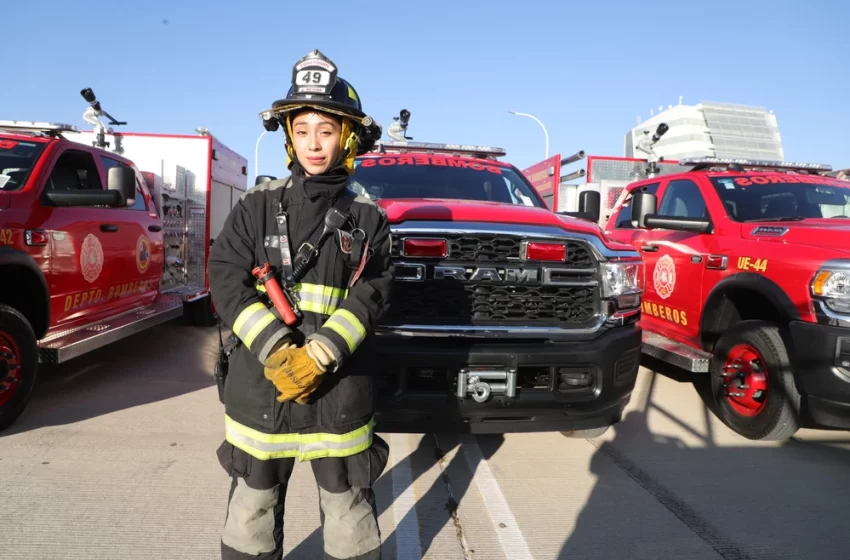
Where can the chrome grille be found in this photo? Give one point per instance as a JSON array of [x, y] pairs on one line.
[[431, 301], [452, 303]]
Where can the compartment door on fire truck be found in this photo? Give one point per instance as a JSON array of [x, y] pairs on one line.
[[88, 254], [141, 239], [675, 263]]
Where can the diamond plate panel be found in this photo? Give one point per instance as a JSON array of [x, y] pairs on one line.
[[197, 230]]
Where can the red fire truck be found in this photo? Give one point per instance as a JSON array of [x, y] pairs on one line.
[[747, 278], [102, 235]]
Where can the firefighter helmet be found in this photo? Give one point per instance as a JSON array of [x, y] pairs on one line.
[[315, 85]]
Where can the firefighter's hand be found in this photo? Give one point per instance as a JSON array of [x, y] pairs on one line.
[[294, 373]]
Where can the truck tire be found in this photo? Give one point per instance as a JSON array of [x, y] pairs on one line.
[[18, 364], [752, 382]]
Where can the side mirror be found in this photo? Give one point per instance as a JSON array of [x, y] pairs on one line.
[[123, 180], [589, 204], [677, 223], [263, 179], [643, 204], [86, 197]]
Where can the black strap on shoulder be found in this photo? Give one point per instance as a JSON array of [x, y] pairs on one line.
[[285, 250], [309, 250]]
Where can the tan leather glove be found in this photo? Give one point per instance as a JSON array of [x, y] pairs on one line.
[[294, 373], [320, 353]]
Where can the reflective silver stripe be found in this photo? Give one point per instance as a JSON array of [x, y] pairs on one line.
[[319, 299], [251, 322], [346, 325], [322, 445], [303, 446], [292, 446]]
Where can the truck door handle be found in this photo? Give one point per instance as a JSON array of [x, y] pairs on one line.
[[108, 227], [649, 248], [154, 227]]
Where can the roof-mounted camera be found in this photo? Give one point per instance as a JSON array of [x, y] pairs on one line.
[[398, 130]]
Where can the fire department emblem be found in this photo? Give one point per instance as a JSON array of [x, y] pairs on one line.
[[143, 253], [345, 240], [91, 258], [664, 277]]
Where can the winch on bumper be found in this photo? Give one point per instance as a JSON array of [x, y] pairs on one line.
[[506, 385]]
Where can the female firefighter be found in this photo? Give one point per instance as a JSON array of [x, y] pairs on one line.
[[304, 390]]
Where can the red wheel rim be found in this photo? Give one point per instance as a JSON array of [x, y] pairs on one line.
[[745, 380], [10, 367]]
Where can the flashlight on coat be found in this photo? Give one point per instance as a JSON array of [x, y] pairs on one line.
[[265, 275]]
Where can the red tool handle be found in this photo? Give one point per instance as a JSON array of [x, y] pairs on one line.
[[275, 293]]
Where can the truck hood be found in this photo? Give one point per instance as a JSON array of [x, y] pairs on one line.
[[452, 210], [820, 233]]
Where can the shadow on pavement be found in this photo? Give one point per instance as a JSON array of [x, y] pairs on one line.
[[744, 499], [435, 509], [165, 362]]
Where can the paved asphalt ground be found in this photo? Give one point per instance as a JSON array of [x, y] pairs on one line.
[[115, 459]]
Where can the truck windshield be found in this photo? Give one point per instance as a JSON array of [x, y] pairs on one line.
[[766, 198], [434, 176], [17, 158]]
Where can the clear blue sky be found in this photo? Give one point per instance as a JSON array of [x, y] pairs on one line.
[[585, 69]]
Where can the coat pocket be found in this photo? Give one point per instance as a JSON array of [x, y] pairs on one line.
[[365, 468], [354, 400], [248, 392], [233, 460]]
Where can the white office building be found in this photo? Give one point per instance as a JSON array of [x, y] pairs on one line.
[[720, 130]]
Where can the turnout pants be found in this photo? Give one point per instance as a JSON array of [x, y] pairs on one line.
[[253, 527]]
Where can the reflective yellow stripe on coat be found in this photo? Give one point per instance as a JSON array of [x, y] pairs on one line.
[[319, 299], [251, 322], [304, 447], [316, 298], [349, 327]]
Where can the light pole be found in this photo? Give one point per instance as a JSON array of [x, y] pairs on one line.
[[541, 126], [257, 156]]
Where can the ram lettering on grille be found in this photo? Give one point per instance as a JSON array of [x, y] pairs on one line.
[[509, 275]]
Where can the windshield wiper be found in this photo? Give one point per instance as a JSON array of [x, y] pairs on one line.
[[780, 219]]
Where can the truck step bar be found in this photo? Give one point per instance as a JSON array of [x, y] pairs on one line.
[[62, 346], [675, 353]]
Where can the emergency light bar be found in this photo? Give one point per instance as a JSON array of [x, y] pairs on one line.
[[484, 152], [731, 163], [32, 127]]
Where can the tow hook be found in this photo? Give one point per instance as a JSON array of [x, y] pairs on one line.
[[478, 383]]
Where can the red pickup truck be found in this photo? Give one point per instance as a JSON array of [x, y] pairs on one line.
[[748, 280], [92, 249], [506, 316]]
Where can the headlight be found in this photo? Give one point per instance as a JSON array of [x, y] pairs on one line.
[[623, 281], [833, 287]]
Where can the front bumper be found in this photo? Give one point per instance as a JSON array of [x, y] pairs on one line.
[[821, 378], [560, 386]]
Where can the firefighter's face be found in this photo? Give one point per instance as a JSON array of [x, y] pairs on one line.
[[316, 140]]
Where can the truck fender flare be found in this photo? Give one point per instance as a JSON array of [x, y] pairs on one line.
[[748, 281], [13, 257]]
